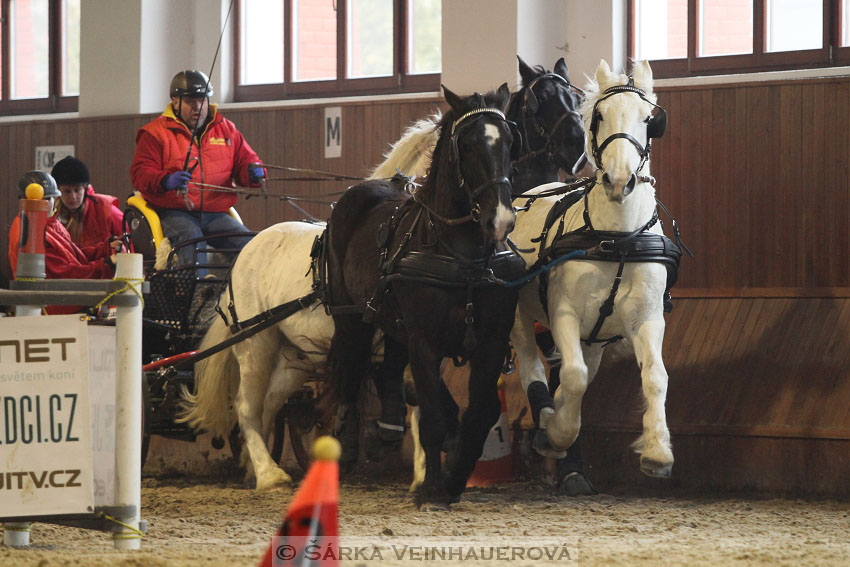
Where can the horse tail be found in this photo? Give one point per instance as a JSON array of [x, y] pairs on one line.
[[210, 407], [411, 154]]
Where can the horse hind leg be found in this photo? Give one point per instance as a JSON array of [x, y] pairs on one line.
[[348, 361], [656, 455], [257, 357], [285, 380]]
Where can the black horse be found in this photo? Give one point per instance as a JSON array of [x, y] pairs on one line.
[[431, 282], [546, 109]]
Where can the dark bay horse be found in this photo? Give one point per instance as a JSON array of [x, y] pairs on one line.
[[422, 266]]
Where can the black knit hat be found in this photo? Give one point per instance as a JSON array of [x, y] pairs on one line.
[[70, 171]]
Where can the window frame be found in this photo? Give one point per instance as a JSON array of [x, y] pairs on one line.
[[830, 54], [401, 81], [55, 101]]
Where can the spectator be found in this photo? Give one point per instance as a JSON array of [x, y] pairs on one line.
[[191, 143], [89, 217], [62, 258]]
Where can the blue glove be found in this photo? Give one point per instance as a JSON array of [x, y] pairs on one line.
[[255, 174], [176, 180]]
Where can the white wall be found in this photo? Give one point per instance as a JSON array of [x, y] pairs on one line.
[[479, 44], [110, 39], [542, 31], [596, 29]]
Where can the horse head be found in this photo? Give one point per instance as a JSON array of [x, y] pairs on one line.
[[473, 157], [546, 109], [620, 126]]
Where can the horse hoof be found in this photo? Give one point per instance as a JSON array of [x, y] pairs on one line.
[[273, 479], [655, 469], [434, 507], [544, 447], [576, 484]]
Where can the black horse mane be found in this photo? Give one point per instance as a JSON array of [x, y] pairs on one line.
[[440, 164]]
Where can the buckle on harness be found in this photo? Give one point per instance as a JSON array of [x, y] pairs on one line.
[[606, 245]]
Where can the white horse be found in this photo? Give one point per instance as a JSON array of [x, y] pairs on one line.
[[250, 381], [619, 122]]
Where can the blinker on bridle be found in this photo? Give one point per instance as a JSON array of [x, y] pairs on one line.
[[654, 128]]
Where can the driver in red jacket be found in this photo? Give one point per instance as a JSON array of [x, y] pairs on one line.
[[191, 143]]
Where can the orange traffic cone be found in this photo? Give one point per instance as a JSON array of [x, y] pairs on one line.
[[309, 534], [496, 464]]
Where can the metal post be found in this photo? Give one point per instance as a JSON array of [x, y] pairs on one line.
[[128, 404]]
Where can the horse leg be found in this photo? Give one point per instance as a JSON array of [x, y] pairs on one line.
[[533, 378], [656, 456], [256, 359], [563, 427], [390, 385], [425, 367], [480, 416], [569, 471], [450, 411], [418, 453], [349, 358]]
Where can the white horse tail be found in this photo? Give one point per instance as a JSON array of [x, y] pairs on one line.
[[411, 154], [210, 407]]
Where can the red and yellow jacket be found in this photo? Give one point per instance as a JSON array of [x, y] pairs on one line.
[[222, 158]]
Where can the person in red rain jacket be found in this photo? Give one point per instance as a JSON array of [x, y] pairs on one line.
[[62, 257], [166, 171], [90, 218]]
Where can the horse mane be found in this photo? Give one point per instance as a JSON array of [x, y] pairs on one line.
[[411, 154]]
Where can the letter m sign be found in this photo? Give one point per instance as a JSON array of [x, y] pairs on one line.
[[333, 132]]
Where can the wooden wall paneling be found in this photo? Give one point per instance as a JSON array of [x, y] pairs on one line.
[[787, 190], [837, 179], [738, 223]]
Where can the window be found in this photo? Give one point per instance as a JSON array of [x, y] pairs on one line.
[[309, 48], [704, 37], [40, 55]]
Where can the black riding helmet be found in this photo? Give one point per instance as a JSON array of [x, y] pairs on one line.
[[191, 84], [44, 179]]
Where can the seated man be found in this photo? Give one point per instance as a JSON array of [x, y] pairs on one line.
[[191, 145], [62, 258], [90, 218]]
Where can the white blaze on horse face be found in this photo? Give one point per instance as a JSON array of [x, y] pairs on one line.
[[491, 134], [623, 113]]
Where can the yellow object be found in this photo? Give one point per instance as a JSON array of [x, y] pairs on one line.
[[501, 383], [138, 202], [34, 191], [326, 448]]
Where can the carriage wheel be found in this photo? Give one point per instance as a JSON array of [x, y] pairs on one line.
[[277, 442], [297, 442]]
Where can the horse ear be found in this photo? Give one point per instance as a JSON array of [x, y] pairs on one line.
[[454, 101], [561, 69], [504, 94], [643, 76], [603, 73], [526, 72]]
